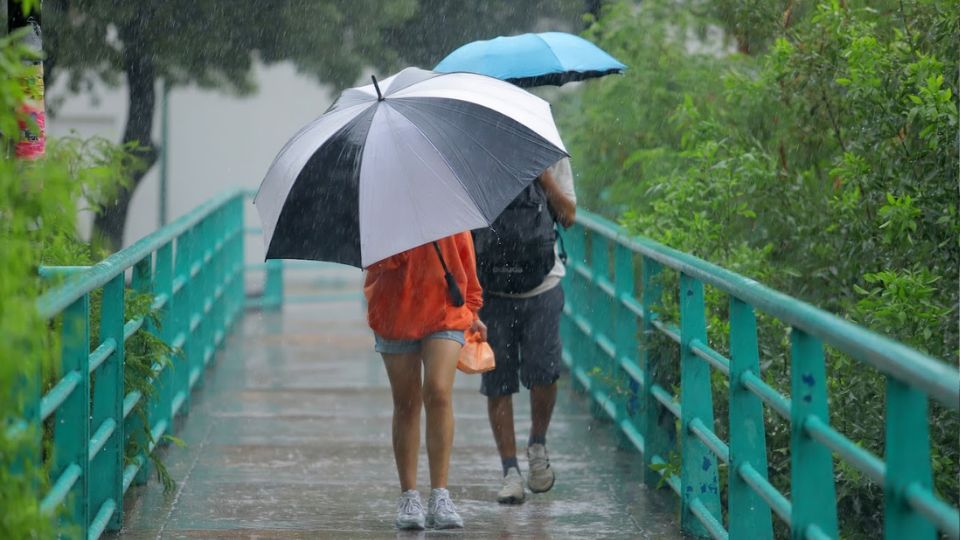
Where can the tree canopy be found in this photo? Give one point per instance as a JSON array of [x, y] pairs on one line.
[[212, 44], [812, 146]]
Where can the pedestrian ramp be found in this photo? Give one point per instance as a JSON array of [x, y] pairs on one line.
[[289, 437]]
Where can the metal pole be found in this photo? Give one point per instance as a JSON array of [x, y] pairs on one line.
[[164, 151], [273, 287]]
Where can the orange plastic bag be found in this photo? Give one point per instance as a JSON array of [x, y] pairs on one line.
[[476, 356]]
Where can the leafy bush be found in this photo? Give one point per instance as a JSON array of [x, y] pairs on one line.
[[39, 201], [820, 159]]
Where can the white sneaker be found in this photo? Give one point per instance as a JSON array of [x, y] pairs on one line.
[[441, 513], [540, 477], [410, 510], [511, 491]]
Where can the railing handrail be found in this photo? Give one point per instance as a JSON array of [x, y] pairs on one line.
[[913, 367], [614, 330], [58, 298]]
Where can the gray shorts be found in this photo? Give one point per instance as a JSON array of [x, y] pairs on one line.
[[525, 336], [405, 346]]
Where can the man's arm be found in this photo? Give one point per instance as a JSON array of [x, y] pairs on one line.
[[562, 206]]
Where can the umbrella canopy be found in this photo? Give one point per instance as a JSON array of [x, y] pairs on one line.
[[399, 163], [531, 60]]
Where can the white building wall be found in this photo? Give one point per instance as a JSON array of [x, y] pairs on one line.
[[217, 141]]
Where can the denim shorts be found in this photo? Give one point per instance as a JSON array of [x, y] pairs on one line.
[[404, 346]]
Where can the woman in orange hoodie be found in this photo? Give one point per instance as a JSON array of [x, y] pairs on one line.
[[419, 317]]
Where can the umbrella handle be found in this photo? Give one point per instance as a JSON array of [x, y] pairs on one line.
[[456, 296], [377, 86]]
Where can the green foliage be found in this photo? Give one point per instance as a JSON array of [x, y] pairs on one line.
[[211, 44], [669, 468], [823, 164], [142, 353], [437, 27], [31, 195], [39, 201]]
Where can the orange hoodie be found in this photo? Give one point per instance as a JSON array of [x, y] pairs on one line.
[[407, 295]]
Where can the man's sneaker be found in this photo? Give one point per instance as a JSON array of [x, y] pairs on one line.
[[540, 476], [441, 513], [410, 510], [511, 491]]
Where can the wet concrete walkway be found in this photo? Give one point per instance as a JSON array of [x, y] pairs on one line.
[[290, 438]]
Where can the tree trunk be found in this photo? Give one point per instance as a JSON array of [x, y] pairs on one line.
[[593, 7], [743, 44], [141, 78]]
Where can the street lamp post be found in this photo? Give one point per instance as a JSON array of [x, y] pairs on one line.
[[164, 151]]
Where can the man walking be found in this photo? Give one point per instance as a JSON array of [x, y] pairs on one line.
[[520, 272]]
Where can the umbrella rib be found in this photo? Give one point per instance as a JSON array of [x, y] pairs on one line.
[[553, 53], [303, 133], [536, 139], [439, 104]]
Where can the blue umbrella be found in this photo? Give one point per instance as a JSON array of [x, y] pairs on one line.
[[533, 59]]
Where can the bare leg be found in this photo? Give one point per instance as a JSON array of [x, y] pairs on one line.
[[542, 399], [403, 370], [500, 412], [440, 366]]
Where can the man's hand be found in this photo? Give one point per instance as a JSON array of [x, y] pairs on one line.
[[563, 208], [479, 328]]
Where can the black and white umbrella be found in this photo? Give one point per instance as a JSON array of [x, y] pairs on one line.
[[403, 162]]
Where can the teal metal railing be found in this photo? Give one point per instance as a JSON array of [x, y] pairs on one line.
[[275, 293], [193, 268], [608, 329]]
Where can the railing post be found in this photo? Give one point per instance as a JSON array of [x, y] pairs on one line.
[[204, 242], [106, 468], [209, 239], [574, 298], [625, 333], [656, 424], [163, 286], [698, 476], [236, 261], [811, 465], [142, 281], [600, 323], [749, 513], [198, 301], [187, 301], [221, 276], [908, 460], [71, 431], [215, 278], [273, 289]]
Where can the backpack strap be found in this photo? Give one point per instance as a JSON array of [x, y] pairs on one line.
[[562, 252], [456, 297]]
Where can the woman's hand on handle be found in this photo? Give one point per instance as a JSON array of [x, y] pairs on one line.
[[479, 328]]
